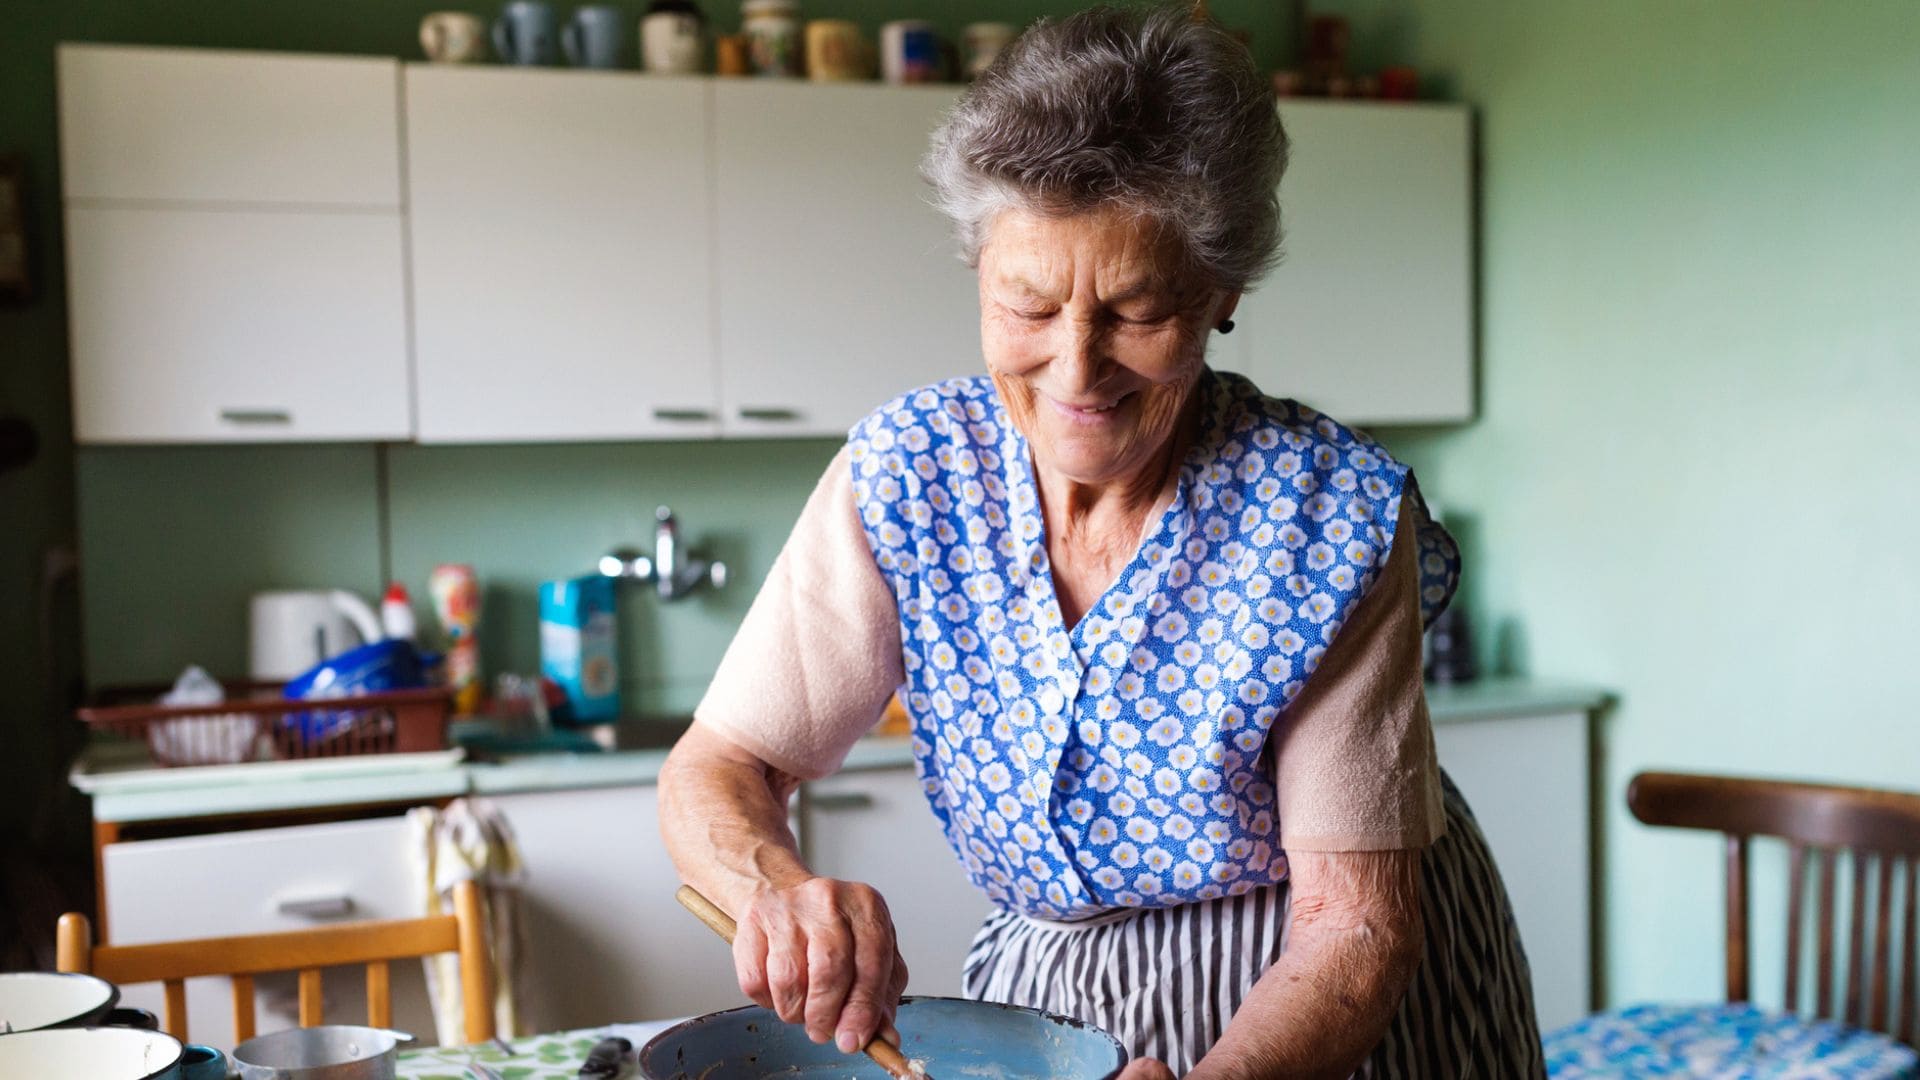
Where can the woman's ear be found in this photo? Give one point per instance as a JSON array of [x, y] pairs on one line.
[[1224, 307]]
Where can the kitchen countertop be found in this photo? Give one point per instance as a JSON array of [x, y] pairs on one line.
[[173, 794]]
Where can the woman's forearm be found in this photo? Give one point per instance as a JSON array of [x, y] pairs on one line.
[[814, 950], [1353, 944], [723, 814]]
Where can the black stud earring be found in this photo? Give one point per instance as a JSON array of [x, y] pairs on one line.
[[1226, 326]]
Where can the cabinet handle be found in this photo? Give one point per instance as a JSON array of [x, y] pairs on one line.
[[317, 907], [841, 800], [682, 415], [747, 413], [256, 416]]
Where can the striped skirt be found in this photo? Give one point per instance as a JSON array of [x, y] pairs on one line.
[[1166, 981]]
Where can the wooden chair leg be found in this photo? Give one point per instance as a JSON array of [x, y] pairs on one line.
[[73, 944], [476, 971], [242, 1008]]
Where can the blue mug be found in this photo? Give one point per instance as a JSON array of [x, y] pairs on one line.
[[523, 34], [596, 37], [202, 1063]]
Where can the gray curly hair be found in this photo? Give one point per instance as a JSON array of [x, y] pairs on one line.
[[1144, 109]]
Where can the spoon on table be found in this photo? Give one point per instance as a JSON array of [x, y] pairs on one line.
[[884, 1054]]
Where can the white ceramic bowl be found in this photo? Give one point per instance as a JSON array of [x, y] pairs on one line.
[[30, 1000], [90, 1053]]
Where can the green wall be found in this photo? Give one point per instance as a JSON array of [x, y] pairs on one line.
[[1692, 477], [1690, 480]]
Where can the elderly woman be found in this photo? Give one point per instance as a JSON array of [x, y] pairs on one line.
[[1159, 634]]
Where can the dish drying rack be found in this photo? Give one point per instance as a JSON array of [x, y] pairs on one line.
[[256, 723]]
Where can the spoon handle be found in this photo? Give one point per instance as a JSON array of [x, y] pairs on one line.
[[884, 1053]]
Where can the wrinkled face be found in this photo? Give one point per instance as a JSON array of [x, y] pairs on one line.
[[1094, 338]]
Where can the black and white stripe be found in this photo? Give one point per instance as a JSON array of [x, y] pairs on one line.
[[1167, 981]]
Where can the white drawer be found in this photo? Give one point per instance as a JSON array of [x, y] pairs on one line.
[[259, 881], [262, 881]]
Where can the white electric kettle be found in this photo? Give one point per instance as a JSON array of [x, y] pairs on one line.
[[289, 631]]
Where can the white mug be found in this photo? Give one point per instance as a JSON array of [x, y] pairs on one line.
[[672, 43], [453, 37]]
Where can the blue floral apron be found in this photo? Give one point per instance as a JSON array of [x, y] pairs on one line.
[[1117, 763]]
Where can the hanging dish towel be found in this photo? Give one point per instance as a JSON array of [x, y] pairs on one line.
[[470, 839]]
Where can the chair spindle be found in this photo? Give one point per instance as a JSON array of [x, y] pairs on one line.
[[312, 1007], [1796, 912], [242, 1007], [1824, 917], [1857, 940], [175, 1008], [1909, 1025], [1736, 918], [1882, 945], [379, 994]]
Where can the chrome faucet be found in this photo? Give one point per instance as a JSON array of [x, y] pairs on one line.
[[674, 575]]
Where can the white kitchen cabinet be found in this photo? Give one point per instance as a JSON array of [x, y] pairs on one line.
[[197, 325], [235, 258], [560, 225], [875, 826], [1526, 779], [228, 127], [264, 881], [837, 283], [1370, 316], [607, 940]]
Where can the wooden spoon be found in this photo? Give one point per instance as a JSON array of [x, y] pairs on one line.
[[884, 1054]]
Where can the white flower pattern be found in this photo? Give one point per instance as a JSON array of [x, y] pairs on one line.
[[1055, 757]]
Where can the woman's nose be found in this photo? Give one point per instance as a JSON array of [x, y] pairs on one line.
[[1080, 352]]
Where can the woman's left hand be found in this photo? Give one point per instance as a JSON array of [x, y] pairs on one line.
[[1146, 1069]]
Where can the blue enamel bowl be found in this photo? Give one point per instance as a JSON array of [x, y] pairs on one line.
[[949, 1037]]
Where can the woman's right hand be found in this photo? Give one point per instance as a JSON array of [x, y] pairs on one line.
[[822, 952]]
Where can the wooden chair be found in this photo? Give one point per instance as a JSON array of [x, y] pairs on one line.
[[1876, 834], [1879, 834], [372, 943]]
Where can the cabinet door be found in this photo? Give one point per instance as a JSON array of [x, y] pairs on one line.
[[228, 127], [204, 325], [838, 287], [266, 881], [1369, 318], [876, 827], [1536, 820], [608, 940], [560, 254]]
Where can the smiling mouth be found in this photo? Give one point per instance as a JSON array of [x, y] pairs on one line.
[[1087, 411]]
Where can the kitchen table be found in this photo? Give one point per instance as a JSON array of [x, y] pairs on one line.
[[554, 1056]]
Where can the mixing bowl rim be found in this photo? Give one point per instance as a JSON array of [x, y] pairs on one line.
[[1077, 1024]]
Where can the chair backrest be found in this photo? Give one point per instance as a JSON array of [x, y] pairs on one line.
[[371, 943], [1877, 832]]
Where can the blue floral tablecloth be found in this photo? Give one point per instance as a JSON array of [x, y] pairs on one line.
[[1722, 1042], [555, 1056]]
